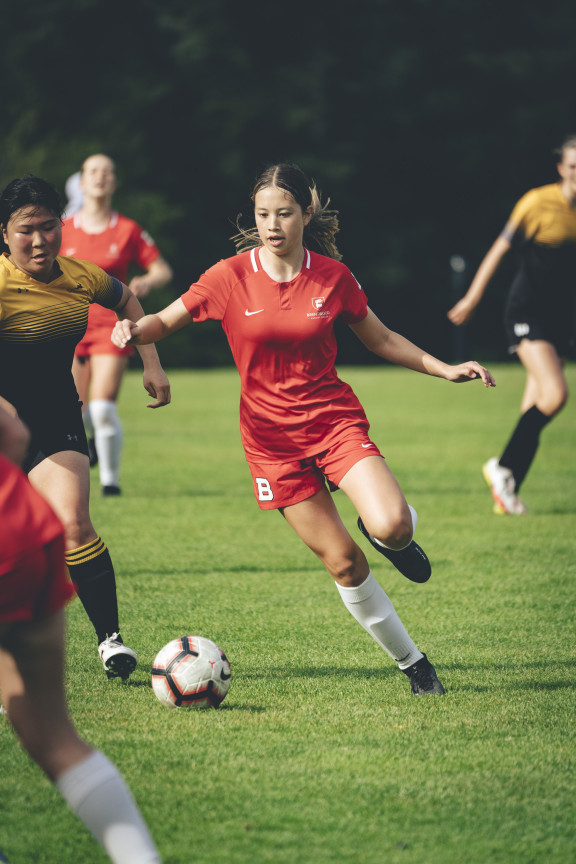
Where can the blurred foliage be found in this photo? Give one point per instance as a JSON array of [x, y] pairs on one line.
[[423, 121]]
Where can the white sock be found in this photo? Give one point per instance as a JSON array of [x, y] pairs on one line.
[[414, 523], [96, 792], [108, 437], [87, 419], [373, 609]]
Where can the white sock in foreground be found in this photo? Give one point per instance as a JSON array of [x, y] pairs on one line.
[[96, 792], [108, 436], [373, 609]]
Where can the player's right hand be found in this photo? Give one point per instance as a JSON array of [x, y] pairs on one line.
[[124, 333]]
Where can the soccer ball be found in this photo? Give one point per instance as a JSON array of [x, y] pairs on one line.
[[191, 672]]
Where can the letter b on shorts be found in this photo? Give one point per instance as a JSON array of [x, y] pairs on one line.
[[264, 489]]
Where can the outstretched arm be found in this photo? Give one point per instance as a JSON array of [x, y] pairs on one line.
[[151, 328], [396, 349], [462, 311]]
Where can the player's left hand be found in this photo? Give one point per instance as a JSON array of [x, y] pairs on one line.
[[470, 371], [140, 286], [158, 386]]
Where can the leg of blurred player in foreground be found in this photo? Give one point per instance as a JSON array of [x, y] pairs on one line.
[[34, 589], [31, 683], [372, 488]]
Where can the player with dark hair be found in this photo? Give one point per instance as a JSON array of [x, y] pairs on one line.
[[301, 425], [34, 589], [44, 300], [97, 233], [539, 316]]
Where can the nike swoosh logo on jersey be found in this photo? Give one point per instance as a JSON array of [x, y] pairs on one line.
[[247, 313], [367, 445]]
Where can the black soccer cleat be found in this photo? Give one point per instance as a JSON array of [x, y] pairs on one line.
[[111, 490], [412, 561], [423, 678]]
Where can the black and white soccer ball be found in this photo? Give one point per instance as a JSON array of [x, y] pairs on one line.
[[191, 672]]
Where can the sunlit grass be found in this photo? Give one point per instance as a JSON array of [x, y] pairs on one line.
[[320, 753]]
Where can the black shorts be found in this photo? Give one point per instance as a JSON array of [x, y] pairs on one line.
[[559, 334], [53, 432]]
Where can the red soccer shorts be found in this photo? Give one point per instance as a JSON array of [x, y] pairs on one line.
[[37, 585], [97, 341], [279, 484]]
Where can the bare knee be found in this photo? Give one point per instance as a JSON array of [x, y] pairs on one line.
[[349, 567], [78, 529], [393, 530], [553, 401]]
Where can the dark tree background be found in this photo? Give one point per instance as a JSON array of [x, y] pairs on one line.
[[423, 120]]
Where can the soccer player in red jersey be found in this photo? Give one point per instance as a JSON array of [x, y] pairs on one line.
[[539, 316], [44, 302], [115, 243], [301, 425], [34, 589]]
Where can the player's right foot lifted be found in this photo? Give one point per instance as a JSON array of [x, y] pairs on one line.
[[503, 488], [412, 561], [118, 660]]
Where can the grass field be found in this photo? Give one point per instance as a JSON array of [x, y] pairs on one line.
[[320, 753]]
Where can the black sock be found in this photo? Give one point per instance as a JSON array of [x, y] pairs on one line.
[[92, 573], [522, 446]]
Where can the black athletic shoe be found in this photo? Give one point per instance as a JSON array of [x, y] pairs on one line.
[[423, 678], [92, 453], [111, 490], [412, 561]]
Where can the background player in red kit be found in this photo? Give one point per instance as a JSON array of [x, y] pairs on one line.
[[115, 243], [301, 425], [34, 589], [539, 317]]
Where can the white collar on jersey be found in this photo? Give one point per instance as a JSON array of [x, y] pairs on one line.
[[255, 258], [111, 224]]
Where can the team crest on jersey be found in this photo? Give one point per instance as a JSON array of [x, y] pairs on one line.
[[318, 302]]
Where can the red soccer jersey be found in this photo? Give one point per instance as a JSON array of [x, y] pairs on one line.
[[122, 243], [292, 404]]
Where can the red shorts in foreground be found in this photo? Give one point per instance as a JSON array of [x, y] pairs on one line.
[[34, 581], [37, 586]]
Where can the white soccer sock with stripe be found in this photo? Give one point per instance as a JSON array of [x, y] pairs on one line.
[[414, 523], [96, 792], [108, 436], [373, 609]]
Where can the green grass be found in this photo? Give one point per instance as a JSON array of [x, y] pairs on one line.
[[320, 753]]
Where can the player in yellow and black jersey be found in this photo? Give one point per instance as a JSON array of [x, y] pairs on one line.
[[539, 316], [44, 300]]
